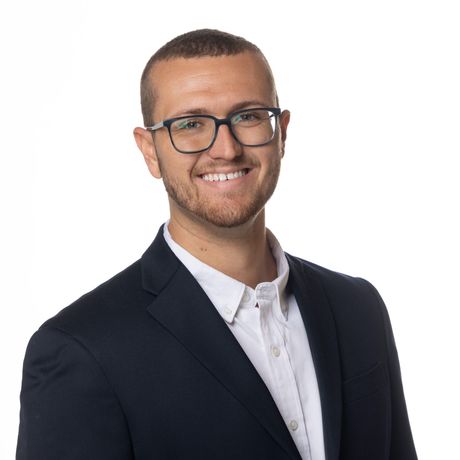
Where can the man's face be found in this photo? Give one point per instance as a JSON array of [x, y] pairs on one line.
[[214, 86]]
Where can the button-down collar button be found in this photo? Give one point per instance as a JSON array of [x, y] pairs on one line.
[[246, 296], [227, 311], [293, 425], [275, 351], [266, 291]]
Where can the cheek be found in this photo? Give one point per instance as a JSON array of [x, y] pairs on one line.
[[178, 168], [273, 157]]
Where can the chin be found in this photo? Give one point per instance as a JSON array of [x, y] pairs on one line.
[[227, 213], [226, 218], [223, 216]]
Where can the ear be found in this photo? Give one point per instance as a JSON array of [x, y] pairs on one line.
[[284, 122], [144, 141]]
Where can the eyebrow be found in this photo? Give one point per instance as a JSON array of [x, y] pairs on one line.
[[201, 111]]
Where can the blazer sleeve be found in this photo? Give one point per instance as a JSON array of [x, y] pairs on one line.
[[68, 409], [402, 444]]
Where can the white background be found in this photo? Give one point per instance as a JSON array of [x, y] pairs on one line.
[[369, 182]]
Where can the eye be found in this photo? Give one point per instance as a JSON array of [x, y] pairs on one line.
[[247, 117], [187, 124]]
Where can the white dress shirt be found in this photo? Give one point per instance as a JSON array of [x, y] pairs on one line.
[[273, 337]]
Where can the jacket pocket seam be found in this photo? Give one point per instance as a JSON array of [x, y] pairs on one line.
[[376, 381]]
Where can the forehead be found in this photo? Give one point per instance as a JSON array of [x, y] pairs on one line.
[[213, 84]]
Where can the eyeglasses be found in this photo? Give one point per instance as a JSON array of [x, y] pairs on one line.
[[197, 133]]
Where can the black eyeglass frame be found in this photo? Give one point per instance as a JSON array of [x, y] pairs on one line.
[[276, 111]]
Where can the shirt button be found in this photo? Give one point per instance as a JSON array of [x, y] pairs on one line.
[[293, 425], [227, 310], [275, 351], [246, 296]]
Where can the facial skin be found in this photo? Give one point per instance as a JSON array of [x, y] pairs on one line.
[[215, 86]]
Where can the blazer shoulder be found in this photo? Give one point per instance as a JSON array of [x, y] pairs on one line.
[[330, 278], [350, 298], [111, 304]]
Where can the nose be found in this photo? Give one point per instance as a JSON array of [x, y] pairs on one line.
[[225, 146]]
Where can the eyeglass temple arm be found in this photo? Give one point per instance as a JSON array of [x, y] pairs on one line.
[[155, 127]]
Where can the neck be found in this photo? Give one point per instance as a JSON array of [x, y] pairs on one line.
[[242, 252]]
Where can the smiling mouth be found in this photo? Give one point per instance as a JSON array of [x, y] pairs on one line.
[[220, 177]]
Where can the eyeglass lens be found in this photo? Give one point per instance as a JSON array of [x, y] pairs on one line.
[[251, 128]]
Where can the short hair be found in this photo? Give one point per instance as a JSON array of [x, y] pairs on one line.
[[197, 43]]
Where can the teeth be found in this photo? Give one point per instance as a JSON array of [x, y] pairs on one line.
[[223, 177]]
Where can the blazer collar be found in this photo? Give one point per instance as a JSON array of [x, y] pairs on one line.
[[319, 322], [158, 265], [183, 308]]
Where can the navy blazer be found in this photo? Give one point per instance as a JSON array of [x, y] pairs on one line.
[[143, 367]]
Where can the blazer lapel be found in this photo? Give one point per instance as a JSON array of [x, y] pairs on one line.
[[183, 308], [322, 335]]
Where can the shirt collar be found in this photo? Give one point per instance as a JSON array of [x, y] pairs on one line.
[[228, 294]]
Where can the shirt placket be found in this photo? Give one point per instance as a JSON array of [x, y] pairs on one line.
[[284, 391]]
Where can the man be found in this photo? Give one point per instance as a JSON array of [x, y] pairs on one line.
[[215, 344]]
